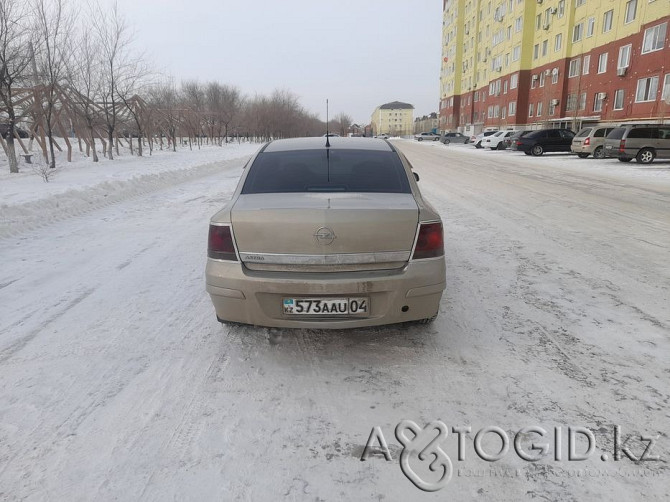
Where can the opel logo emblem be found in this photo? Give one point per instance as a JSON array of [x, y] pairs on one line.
[[324, 236]]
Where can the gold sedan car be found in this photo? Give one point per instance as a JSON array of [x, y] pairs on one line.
[[326, 233]]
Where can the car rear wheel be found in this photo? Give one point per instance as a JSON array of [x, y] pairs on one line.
[[501, 146], [447, 141], [599, 153], [645, 156], [420, 139], [537, 150], [624, 159], [527, 153], [582, 155], [478, 144]]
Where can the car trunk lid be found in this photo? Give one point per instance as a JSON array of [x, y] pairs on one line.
[[324, 231]]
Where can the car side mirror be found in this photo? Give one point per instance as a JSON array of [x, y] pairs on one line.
[[416, 176]]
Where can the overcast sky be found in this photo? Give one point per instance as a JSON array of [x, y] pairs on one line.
[[357, 53]]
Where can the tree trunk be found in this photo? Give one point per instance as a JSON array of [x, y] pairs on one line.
[[110, 143], [95, 154], [11, 155]]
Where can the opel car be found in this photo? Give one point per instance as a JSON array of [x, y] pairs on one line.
[[326, 233]]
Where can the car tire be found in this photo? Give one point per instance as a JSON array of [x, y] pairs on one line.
[[428, 320], [582, 155], [478, 145], [624, 159], [501, 146], [447, 141], [527, 153], [645, 156], [599, 153], [537, 150], [419, 139]]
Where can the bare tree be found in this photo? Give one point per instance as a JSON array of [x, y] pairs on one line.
[[131, 82], [114, 38], [344, 121], [15, 58], [55, 25], [231, 105], [193, 97], [84, 87]]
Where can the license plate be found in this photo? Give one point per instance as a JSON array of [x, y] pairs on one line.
[[608, 147], [326, 306]]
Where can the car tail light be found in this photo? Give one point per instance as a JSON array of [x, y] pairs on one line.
[[220, 243], [587, 141], [430, 242], [622, 146], [518, 142]]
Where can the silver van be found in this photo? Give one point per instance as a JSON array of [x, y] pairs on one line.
[[642, 142], [590, 141]]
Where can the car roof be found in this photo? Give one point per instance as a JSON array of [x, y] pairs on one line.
[[336, 143]]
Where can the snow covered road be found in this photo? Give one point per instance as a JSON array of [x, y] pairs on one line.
[[118, 383]]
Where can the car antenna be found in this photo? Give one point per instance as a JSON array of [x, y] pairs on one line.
[[327, 132]]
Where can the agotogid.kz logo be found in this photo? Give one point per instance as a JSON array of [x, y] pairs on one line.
[[324, 236], [425, 463]]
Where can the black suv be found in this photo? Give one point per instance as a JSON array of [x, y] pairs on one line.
[[545, 140]]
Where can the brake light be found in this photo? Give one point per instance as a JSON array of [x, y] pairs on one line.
[[220, 243], [622, 146], [430, 242], [518, 142], [587, 141]]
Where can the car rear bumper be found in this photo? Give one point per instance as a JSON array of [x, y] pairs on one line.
[[252, 297]]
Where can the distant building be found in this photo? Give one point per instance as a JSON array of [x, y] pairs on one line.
[[553, 63], [395, 119], [427, 123]]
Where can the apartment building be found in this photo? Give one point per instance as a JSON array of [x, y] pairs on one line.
[[553, 63], [395, 118]]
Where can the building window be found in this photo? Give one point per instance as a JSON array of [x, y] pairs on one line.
[[545, 46], [503, 112], [538, 21], [518, 24], [561, 8], [539, 108], [571, 103], [646, 89], [542, 78], [516, 53], [624, 56], [536, 51], [533, 81], [582, 101], [577, 32], [554, 76], [530, 110], [607, 20], [602, 63], [654, 38], [665, 95], [573, 71], [505, 87], [558, 42], [598, 102], [579, 2], [514, 81], [631, 7], [512, 108], [590, 26], [618, 100], [552, 107], [587, 64]]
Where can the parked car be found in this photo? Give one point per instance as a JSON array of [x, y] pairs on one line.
[[511, 141], [428, 136], [590, 141], [383, 136], [642, 142], [316, 240], [545, 140], [496, 141], [454, 137], [477, 140]]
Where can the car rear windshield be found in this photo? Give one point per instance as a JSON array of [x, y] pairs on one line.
[[583, 132], [327, 170], [616, 133]]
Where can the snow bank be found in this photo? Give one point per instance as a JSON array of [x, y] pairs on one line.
[[28, 202]]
